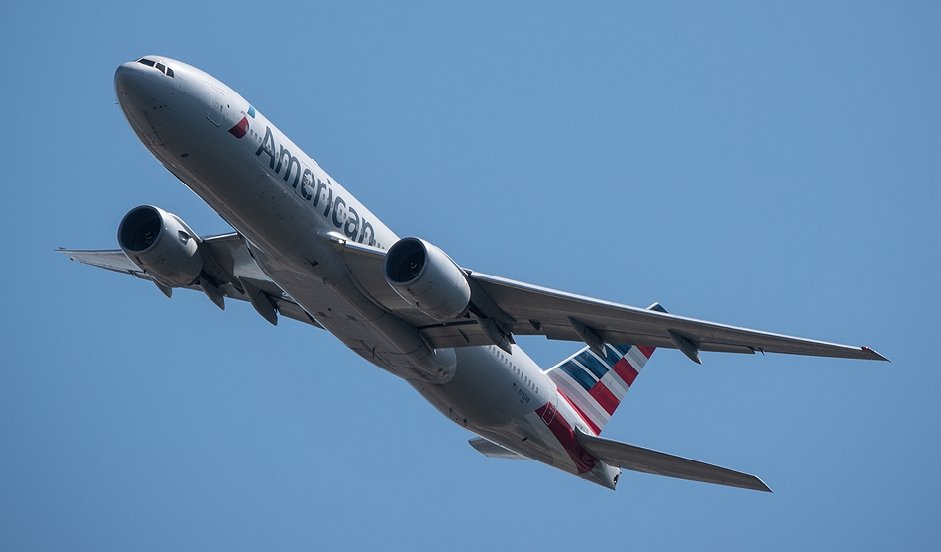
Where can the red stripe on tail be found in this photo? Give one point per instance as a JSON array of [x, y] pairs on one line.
[[627, 372], [605, 397]]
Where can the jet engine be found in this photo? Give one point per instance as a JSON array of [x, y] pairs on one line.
[[162, 245], [427, 278]]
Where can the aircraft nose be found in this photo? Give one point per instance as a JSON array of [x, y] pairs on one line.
[[127, 79], [140, 92]]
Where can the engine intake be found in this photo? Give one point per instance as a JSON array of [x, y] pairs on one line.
[[162, 245], [424, 276]]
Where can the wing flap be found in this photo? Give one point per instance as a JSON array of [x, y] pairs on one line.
[[658, 463]]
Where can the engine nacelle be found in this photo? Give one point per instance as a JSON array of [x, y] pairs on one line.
[[161, 244], [427, 278]]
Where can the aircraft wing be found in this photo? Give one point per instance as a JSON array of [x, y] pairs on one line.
[[230, 270], [502, 308], [650, 461], [561, 315]]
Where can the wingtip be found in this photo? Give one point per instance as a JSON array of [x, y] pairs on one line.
[[764, 487], [873, 355], [755, 483]]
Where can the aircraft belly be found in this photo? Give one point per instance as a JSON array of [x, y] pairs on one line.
[[480, 393], [337, 305], [485, 396]]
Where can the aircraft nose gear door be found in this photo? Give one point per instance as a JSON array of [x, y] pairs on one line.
[[216, 107]]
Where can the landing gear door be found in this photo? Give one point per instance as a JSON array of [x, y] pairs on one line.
[[216, 107]]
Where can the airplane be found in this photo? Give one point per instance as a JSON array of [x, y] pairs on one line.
[[304, 248]]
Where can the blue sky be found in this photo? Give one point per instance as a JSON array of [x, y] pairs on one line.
[[757, 164]]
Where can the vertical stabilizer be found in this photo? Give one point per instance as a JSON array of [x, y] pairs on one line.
[[595, 384]]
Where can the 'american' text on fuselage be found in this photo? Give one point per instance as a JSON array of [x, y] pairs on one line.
[[316, 190]]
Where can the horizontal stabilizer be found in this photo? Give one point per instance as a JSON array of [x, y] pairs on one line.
[[493, 450], [650, 461]]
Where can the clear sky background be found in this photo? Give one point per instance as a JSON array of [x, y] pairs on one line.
[[765, 165]]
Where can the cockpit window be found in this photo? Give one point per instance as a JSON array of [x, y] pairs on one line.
[[158, 66]]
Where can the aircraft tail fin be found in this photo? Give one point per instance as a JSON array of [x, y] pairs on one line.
[[594, 384]]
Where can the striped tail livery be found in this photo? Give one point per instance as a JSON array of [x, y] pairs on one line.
[[595, 384]]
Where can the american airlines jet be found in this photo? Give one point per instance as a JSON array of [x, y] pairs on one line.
[[305, 248]]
